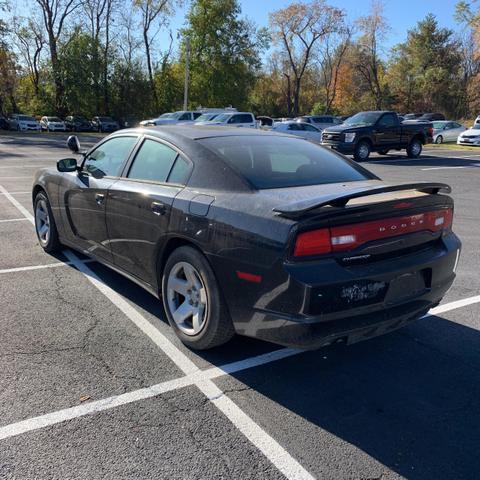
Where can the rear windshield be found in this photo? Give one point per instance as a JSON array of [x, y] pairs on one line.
[[277, 162]]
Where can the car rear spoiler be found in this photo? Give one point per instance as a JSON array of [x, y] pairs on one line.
[[298, 209]]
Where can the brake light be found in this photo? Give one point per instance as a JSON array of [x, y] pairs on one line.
[[430, 131], [348, 237]]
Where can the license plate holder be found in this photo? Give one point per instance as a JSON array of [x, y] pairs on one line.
[[408, 285]]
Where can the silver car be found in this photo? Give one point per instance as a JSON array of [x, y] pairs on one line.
[[320, 121], [446, 131], [300, 129]]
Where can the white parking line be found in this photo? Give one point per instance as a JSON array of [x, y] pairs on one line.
[[277, 455], [193, 378], [14, 220], [272, 450], [42, 267], [442, 168], [17, 193]]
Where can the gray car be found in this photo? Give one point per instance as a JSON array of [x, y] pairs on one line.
[[320, 121], [300, 129], [446, 131]]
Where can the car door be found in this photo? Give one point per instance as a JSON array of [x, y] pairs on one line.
[[139, 206], [83, 194], [312, 133], [454, 130], [242, 120], [387, 131]]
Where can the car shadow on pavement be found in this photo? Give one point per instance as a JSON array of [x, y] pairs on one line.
[[425, 160], [410, 400]]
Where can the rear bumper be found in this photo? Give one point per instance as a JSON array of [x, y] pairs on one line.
[[357, 318]]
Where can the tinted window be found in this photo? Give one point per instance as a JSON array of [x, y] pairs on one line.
[[362, 118], [388, 120], [275, 162], [180, 171], [242, 118], [185, 116], [309, 128], [108, 158], [294, 126], [153, 162], [196, 115]]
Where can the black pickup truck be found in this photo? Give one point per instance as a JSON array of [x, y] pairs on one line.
[[379, 132]]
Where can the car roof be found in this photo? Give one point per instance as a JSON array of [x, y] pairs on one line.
[[196, 132]]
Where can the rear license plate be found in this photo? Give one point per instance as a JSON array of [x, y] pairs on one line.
[[406, 286]]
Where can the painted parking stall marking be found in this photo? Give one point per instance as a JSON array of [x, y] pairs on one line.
[[272, 450]]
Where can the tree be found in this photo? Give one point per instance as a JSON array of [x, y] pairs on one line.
[[31, 41], [54, 14], [225, 53], [297, 29], [330, 59], [425, 73], [373, 29], [154, 15]]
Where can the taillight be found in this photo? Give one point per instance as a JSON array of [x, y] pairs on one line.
[[349, 237], [430, 132]]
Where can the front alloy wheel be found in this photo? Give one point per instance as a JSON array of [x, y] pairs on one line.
[[362, 151], [42, 222], [45, 224]]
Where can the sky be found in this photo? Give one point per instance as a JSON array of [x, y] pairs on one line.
[[401, 14]]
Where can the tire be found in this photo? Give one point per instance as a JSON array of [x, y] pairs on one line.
[[201, 299], [414, 149], [362, 151], [439, 139], [48, 239], [383, 152]]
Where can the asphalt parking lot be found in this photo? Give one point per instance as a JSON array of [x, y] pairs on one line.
[[94, 384]]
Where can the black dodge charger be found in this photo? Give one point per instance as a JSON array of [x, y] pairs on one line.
[[250, 232]]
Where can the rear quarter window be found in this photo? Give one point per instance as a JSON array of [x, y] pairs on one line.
[[278, 162]]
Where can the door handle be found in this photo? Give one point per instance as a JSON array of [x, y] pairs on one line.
[[158, 208], [99, 198]]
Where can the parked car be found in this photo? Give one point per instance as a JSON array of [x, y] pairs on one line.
[[22, 122], [174, 118], [77, 123], [264, 121], [412, 116], [446, 131], [470, 136], [3, 123], [52, 124], [104, 124], [234, 119], [300, 129], [253, 232], [377, 131], [206, 117], [129, 121], [477, 120], [320, 121], [430, 117]]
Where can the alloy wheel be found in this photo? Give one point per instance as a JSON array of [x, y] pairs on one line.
[[187, 298], [42, 221]]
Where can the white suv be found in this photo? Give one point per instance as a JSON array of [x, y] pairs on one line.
[[235, 119]]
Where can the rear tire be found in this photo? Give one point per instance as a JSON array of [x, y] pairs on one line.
[[45, 226], [362, 151], [193, 301], [414, 149]]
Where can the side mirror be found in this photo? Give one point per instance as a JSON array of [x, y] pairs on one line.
[[67, 165], [73, 144]]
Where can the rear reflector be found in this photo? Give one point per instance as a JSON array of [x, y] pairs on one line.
[[250, 277], [349, 237]]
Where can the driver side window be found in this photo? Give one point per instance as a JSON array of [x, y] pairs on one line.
[[108, 158], [387, 120]]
